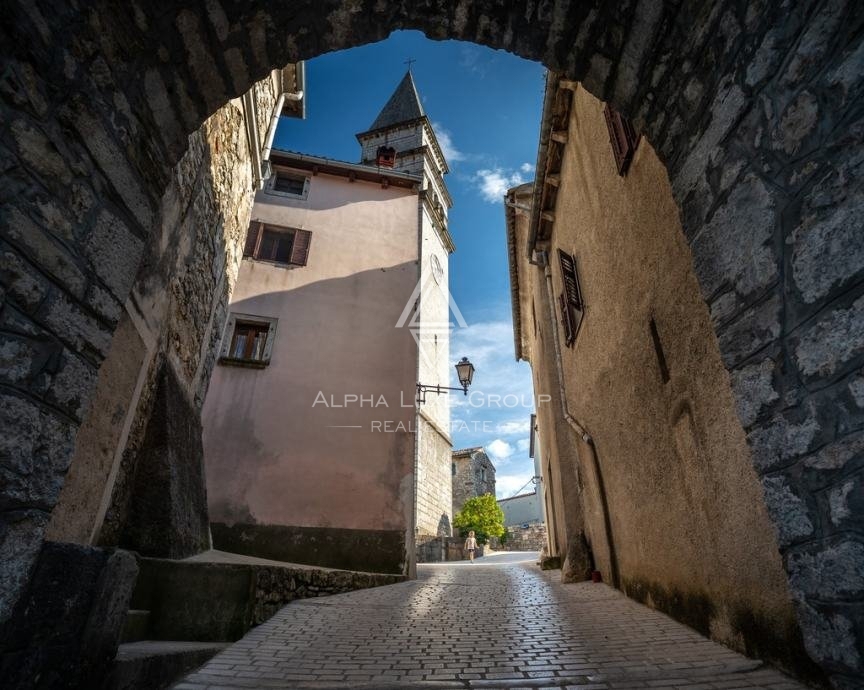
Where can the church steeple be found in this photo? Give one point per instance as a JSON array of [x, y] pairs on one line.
[[401, 137], [404, 105]]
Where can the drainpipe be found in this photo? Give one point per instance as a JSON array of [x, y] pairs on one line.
[[543, 260], [274, 120]]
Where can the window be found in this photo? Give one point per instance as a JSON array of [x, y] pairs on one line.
[[482, 474], [623, 138], [570, 299], [386, 156], [281, 245], [289, 184], [453, 468], [248, 340]]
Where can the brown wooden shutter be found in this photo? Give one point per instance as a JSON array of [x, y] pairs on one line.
[[571, 298], [623, 138], [566, 321], [252, 239], [570, 279], [300, 248]]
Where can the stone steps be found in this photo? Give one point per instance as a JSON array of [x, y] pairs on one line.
[[156, 664], [135, 627]]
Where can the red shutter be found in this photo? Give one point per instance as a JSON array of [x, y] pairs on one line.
[[623, 138], [252, 239], [300, 248]]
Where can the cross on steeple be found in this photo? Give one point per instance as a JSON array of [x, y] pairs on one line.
[[409, 62]]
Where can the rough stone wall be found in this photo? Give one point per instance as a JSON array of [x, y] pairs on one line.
[[531, 538], [755, 108], [174, 315], [433, 482], [468, 481]]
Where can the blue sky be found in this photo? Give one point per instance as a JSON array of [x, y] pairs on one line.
[[485, 108]]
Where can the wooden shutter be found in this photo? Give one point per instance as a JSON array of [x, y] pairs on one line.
[[252, 239], [566, 321], [570, 279], [623, 138], [300, 248], [570, 299]]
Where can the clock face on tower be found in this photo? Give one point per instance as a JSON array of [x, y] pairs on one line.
[[437, 270]]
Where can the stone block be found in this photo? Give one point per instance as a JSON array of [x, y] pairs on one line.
[[846, 502], [734, 248], [787, 510], [46, 252], [828, 572], [776, 442], [830, 637], [23, 284], [832, 344], [826, 246], [33, 461], [20, 540], [751, 331], [64, 631], [69, 322], [168, 510], [114, 252], [754, 389], [155, 664]]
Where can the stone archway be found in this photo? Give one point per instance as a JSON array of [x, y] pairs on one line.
[[756, 112]]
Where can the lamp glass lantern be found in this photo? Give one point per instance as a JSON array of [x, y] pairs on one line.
[[465, 372]]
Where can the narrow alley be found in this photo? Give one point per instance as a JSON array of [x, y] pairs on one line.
[[498, 623]]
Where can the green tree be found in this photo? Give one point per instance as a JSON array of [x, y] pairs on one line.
[[483, 515]]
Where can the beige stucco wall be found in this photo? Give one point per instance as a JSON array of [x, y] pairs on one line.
[[689, 531], [273, 452]]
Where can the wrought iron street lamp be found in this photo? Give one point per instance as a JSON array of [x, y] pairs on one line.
[[465, 373]]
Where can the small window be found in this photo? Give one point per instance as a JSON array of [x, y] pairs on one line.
[[280, 245], [386, 156], [623, 138], [570, 300], [248, 340], [453, 468], [482, 474], [289, 184]]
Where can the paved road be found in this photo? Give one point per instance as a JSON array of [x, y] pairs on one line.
[[499, 623]]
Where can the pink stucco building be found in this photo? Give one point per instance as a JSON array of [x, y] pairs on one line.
[[315, 451]]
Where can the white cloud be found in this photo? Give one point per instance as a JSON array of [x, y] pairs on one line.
[[523, 445], [500, 450], [514, 426], [506, 485], [448, 148], [493, 183], [526, 168]]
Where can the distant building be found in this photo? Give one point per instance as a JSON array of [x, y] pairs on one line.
[[473, 475], [524, 509]]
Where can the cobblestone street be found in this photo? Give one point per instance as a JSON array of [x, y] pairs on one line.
[[499, 623]]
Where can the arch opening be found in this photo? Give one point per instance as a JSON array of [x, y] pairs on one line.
[[742, 107]]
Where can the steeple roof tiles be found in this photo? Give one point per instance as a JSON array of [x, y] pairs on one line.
[[404, 105]]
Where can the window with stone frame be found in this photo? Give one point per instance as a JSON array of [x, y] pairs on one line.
[[290, 184], [248, 340], [288, 246], [623, 138], [570, 299]]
